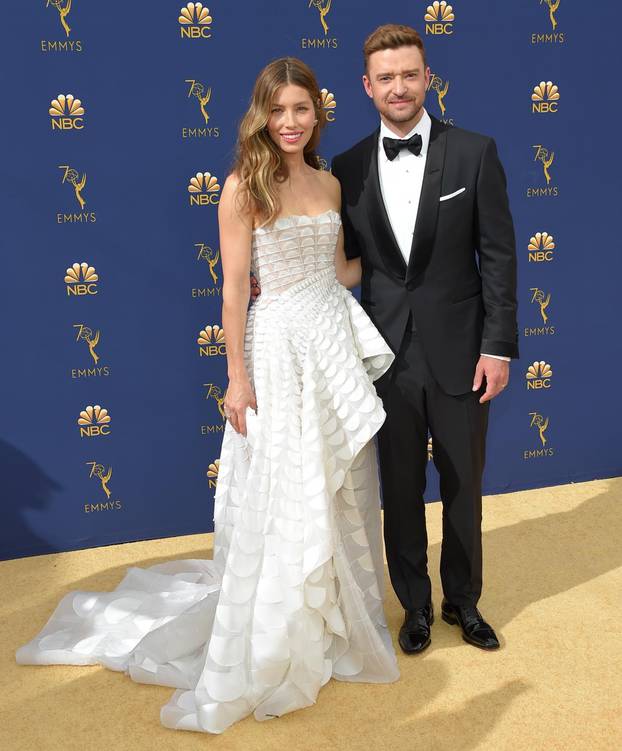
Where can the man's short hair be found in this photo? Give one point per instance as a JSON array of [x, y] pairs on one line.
[[390, 36]]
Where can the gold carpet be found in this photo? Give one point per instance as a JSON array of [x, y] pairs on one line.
[[552, 574]]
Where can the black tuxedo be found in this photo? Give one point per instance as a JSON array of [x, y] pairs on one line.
[[460, 309], [455, 299]]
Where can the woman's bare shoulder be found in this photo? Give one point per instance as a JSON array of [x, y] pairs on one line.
[[234, 202], [330, 183], [232, 183]]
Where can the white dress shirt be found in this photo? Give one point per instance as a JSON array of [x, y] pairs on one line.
[[401, 180]]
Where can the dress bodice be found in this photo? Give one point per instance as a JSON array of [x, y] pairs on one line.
[[294, 248]]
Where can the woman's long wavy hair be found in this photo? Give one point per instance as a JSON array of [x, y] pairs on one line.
[[259, 165]]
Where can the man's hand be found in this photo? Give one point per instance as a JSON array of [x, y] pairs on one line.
[[255, 288], [497, 374]]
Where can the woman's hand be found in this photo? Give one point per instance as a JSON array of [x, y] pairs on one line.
[[239, 396]]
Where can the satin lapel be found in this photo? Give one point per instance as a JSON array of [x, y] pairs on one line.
[[427, 214], [381, 226]]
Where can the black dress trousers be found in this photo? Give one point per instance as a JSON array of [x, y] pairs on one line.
[[414, 404]]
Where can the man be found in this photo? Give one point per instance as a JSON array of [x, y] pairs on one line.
[[425, 207]]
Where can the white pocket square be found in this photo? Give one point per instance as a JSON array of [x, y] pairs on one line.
[[452, 195]]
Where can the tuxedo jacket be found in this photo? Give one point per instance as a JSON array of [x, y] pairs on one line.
[[460, 281]]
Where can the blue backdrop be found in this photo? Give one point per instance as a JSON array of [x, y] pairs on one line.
[[119, 130]]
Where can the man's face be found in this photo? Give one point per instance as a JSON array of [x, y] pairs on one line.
[[397, 80]]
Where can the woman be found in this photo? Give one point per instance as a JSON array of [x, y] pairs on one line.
[[294, 593]]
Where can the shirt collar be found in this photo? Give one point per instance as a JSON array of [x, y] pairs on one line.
[[423, 127]]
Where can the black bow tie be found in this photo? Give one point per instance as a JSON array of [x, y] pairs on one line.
[[393, 146]]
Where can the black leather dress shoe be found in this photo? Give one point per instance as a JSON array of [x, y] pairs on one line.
[[475, 630], [414, 635]]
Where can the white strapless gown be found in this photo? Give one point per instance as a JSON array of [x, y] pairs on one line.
[[294, 593]]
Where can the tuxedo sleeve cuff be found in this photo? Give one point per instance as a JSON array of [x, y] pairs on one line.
[[499, 348], [496, 357]]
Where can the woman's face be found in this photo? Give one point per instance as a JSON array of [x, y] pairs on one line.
[[292, 118]]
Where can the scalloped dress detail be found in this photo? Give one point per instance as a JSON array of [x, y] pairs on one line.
[[293, 595]]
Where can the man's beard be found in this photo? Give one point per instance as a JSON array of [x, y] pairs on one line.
[[403, 117]]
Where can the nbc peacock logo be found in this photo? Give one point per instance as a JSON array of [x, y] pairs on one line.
[[541, 247], [329, 105], [545, 97], [195, 21], [538, 375], [204, 189], [81, 279], [211, 341], [439, 18], [212, 474], [440, 87], [94, 421], [66, 113]]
